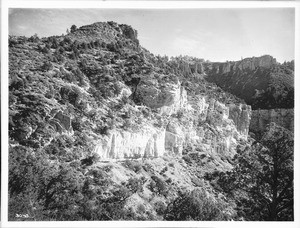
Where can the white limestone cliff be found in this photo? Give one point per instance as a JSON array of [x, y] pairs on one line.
[[209, 125], [265, 61], [145, 143], [217, 130]]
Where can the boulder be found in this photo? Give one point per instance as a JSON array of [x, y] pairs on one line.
[[64, 120]]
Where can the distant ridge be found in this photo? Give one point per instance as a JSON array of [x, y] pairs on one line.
[[261, 81]]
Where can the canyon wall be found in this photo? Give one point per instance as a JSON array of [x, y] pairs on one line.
[[260, 81], [253, 63], [210, 126]]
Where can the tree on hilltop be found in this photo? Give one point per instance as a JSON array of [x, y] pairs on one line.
[[73, 28]]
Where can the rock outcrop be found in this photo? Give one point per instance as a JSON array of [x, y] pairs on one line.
[[193, 67], [211, 126], [64, 120], [106, 32], [190, 66], [174, 138], [214, 113], [253, 63], [221, 126], [167, 98], [61, 122], [129, 32], [262, 118], [241, 116]]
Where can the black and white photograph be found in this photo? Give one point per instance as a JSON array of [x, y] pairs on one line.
[[149, 114]]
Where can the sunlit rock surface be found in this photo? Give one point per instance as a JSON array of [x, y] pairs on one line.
[[174, 138], [265, 61], [148, 142], [212, 126], [241, 116]]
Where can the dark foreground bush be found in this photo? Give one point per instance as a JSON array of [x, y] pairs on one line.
[[195, 205]]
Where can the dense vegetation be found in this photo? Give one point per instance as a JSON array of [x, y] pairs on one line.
[[262, 181], [262, 88], [66, 91]]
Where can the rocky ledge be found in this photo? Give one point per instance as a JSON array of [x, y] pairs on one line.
[[265, 61]]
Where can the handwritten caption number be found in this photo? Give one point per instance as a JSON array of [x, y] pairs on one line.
[[22, 215]]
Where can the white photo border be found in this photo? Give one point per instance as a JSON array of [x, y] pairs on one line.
[[7, 4]]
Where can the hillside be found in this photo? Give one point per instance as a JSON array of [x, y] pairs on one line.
[[101, 129], [260, 81]]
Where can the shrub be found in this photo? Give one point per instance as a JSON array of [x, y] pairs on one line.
[[163, 170], [159, 186], [197, 182], [148, 168], [107, 168], [160, 207], [45, 50], [135, 185], [187, 159], [196, 205], [67, 40], [70, 94], [75, 164], [171, 164], [46, 66], [73, 28], [90, 160], [12, 42], [133, 165], [77, 124], [34, 38], [141, 208]]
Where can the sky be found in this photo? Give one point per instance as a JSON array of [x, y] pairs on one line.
[[211, 34]]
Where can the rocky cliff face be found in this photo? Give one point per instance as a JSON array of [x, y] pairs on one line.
[[219, 126], [262, 118], [209, 125], [251, 64], [167, 98], [106, 32], [146, 143], [241, 116], [192, 67], [260, 81], [189, 65]]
